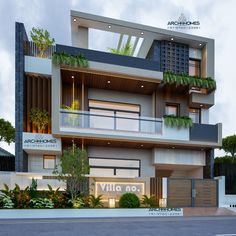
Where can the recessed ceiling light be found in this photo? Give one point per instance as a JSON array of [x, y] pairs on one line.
[[201, 105], [142, 33], [108, 81], [72, 77], [108, 143], [74, 19], [202, 149], [109, 26], [141, 145], [173, 147], [200, 44], [172, 39], [142, 86]]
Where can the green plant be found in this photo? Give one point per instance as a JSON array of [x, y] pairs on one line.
[[40, 203], [7, 131], [21, 198], [225, 159], [78, 202], [72, 118], [179, 122], [126, 50], [58, 198], [69, 60], [95, 202], [42, 40], [187, 80], [33, 188], [129, 200], [6, 202], [39, 118], [148, 201], [72, 169]]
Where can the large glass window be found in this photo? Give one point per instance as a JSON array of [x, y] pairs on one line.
[[49, 162], [194, 114], [194, 67], [172, 109], [111, 115]]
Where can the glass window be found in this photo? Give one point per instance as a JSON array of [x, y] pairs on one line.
[[171, 110], [114, 106], [101, 119], [194, 67], [49, 162], [194, 114], [127, 124]]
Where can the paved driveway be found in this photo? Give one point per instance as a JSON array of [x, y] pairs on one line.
[[180, 226]]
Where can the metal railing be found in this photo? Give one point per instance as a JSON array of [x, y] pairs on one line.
[[30, 49], [94, 120]]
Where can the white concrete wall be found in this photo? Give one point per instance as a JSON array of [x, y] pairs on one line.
[[35, 163], [178, 157], [145, 101], [225, 200], [147, 168], [38, 65], [25, 179]]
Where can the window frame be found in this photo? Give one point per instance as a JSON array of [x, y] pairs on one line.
[[177, 105], [200, 69], [44, 157]]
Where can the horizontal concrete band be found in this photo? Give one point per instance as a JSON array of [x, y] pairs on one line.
[[87, 213]]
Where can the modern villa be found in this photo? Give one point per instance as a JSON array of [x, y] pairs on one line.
[[143, 118]]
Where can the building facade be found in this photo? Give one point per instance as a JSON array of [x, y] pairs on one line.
[[123, 103]]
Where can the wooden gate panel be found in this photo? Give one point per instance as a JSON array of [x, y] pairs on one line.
[[206, 193], [179, 193]]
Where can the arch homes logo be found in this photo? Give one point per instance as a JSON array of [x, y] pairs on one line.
[[183, 23]]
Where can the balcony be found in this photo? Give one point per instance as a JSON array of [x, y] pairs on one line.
[[128, 127], [72, 120]]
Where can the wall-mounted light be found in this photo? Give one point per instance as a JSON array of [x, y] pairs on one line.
[[111, 202], [162, 202]]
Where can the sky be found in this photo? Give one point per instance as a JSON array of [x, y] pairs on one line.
[[217, 20]]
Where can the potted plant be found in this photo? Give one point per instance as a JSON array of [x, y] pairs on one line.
[[39, 118], [42, 40]]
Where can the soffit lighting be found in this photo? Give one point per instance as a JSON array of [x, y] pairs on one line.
[[173, 147], [108, 143], [72, 77], [200, 44], [172, 39], [201, 105], [142, 86], [109, 26], [74, 19], [142, 33], [141, 145], [108, 81]]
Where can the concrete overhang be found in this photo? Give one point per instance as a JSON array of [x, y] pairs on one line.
[[148, 33]]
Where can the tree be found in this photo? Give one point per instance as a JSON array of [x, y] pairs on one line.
[[229, 145], [39, 118], [7, 131], [72, 169], [42, 40]]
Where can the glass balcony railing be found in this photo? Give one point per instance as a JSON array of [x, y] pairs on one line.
[[105, 121]]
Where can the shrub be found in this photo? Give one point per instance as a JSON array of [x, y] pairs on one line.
[[129, 200], [95, 202], [6, 202], [58, 198], [78, 202], [40, 203], [148, 201]]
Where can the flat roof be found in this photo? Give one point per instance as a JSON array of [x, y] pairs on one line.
[[148, 33]]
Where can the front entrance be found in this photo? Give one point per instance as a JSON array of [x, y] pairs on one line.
[[185, 192]]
